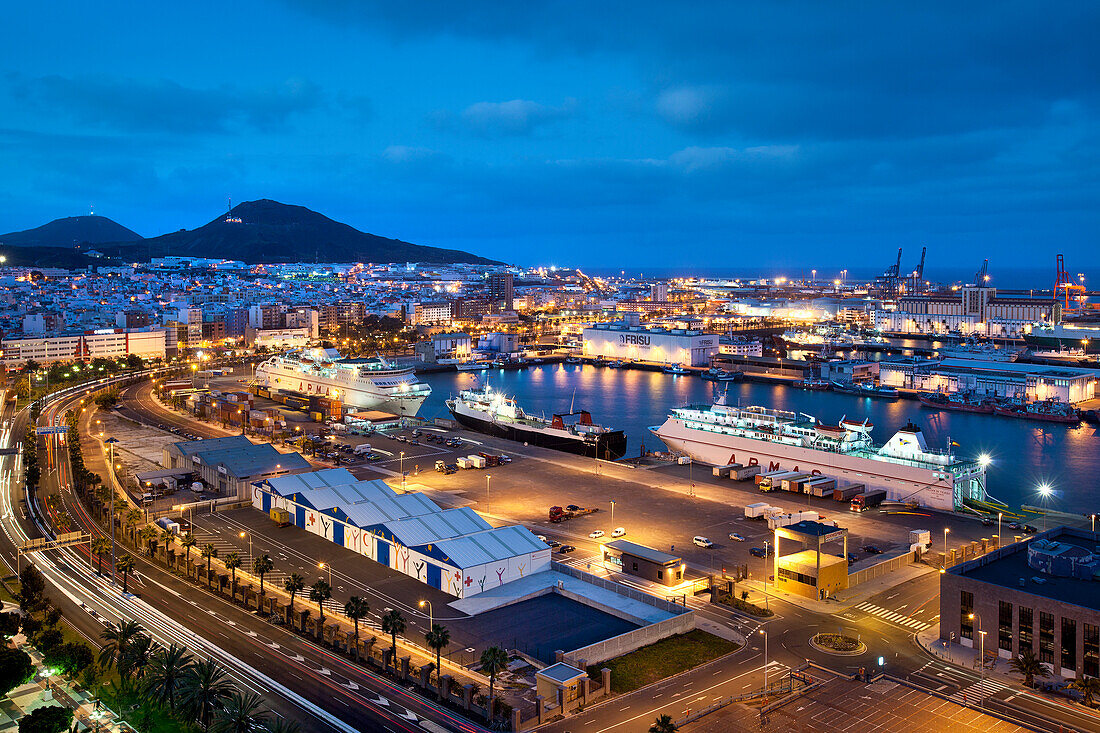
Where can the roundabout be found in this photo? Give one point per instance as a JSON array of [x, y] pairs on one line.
[[838, 645]]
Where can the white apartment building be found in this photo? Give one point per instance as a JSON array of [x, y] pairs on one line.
[[107, 343]]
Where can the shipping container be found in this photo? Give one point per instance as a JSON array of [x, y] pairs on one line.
[[821, 486], [756, 511], [846, 493], [744, 473], [723, 471], [794, 483]]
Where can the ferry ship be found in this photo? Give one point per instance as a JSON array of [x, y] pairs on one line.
[[1066, 335], [493, 413], [978, 350], [905, 467], [368, 383]]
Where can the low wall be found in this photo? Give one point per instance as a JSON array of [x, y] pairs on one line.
[[682, 621], [622, 644], [881, 568]]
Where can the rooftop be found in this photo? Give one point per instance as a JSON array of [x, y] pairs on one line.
[[561, 673], [240, 456], [646, 553], [809, 528], [1007, 566]]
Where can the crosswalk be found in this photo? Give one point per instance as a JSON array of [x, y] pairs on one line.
[[892, 616], [978, 691]]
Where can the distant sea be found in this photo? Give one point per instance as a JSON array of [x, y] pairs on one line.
[[1003, 277]]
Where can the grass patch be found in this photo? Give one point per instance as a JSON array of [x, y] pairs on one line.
[[727, 599], [838, 642], [663, 659]]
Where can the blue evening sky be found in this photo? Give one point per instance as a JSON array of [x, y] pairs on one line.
[[599, 134]]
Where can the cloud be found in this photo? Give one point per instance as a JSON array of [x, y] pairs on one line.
[[165, 106], [515, 118]]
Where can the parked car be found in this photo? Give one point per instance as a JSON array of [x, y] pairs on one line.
[[573, 508], [987, 522], [595, 534], [759, 552], [736, 537], [553, 543], [701, 541], [542, 538], [852, 558], [566, 548], [872, 549], [619, 532]]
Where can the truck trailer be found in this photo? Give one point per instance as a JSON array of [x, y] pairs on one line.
[[847, 492], [868, 500]]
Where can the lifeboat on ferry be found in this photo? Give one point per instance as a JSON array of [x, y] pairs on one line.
[[830, 431], [864, 427]]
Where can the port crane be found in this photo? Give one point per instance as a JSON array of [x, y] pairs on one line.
[[1067, 291]]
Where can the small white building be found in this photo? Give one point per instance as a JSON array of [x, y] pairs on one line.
[[740, 347]]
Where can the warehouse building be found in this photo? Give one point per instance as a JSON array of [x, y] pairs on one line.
[[993, 378], [454, 550], [644, 562], [665, 346], [1041, 594], [229, 465]]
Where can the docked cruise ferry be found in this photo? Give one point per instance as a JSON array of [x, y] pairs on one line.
[[494, 413], [905, 466], [368, 383]]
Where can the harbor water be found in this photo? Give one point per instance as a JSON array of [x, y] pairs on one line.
[[1025, 454]]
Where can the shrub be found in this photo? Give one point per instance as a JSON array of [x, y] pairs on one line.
[[52, 719], [16, 668]]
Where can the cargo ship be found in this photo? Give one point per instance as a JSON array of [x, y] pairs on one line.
[[1065, 336], [1044, 411], [494, 413], [864, 389], [366, 383], [905, 466], [958, 402]]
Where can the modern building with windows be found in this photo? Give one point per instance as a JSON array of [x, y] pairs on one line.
[[1041, 594], [667, 346], [644, 562]]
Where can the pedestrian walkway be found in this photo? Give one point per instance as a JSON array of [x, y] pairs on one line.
[[893, 617], [979, 691]]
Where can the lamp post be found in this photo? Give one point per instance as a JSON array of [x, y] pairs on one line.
[[945, 531], [402, 471], [765, 633], [1044, 493], [1000, 541], [431, 615], [326, 566], [981, 657], [612, 514], [487, 478], [243, 534]]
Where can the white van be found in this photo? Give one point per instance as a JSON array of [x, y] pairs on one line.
[[701, 541], [361, 449]]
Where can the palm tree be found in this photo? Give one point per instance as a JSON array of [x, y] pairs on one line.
[[125, 565], [1028, 666], [355, 609], [292, 585], [209, 552], [320, 592], [149, 536], [438, 638], [232, 562], [116, 640], [393, 623], [261, 566], [188, 541], [133, 518], [167, 537], [100, 546], [203, 689], [493, 660], [241, 713], [1089, 687], [135, 659], [166, 673], [663, 724]]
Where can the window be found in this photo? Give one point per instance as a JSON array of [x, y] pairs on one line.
[[1092, 651], [966, 609], [1069, 643], [797, 577], [1004, 626], [1026, 622], [1046, 637], [660, 575], [634, 566]]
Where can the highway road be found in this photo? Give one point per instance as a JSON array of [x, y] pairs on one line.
[[299, 680]]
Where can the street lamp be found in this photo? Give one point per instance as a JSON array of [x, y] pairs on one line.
[[487, 478], [327, 566], [249, 547], [1000, 541], [981, 658], [402, 470], [765, 633], [613, 514], [1045, 491], [945, 531], [431, 615]]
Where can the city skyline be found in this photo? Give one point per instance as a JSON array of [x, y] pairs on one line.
[[727, 136]]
